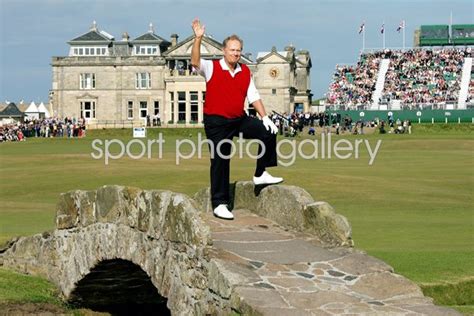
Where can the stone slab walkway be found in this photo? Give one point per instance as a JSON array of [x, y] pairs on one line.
[[273, 271]]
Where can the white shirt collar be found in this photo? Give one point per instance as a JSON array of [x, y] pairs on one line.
[[225, 67]]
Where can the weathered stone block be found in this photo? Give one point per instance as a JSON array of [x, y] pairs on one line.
[[158, 205], [321, 220], [386, 285], [359, 264], [131, 202], [284, 204], [144, 210], [110, 204], [86, 204], [187, 226], [245, 196], [203, 199], [218, 282], [67, 212], [76, 209]]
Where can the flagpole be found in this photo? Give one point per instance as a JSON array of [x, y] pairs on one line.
[[363, 39], [450, 30], [383, 34], [403, 29]]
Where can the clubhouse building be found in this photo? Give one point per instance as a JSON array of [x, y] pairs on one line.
[[132, 81]]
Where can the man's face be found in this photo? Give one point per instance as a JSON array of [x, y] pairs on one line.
[[232, 52]]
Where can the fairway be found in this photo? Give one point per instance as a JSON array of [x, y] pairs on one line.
[[413, 207]]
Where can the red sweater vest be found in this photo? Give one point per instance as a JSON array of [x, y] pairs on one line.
[[225, 95]]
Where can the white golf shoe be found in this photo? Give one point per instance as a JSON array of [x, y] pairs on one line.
[[223, 212], [266, 178]]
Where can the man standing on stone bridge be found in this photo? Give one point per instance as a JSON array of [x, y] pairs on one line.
[[228, 84]]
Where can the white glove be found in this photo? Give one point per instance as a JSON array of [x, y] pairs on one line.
[[269, 125]]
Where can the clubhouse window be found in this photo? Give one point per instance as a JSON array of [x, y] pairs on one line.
[[88, 109], [87, 81], [194, 106], [130, 110], [143, 80], [143, 109], [181, 106]]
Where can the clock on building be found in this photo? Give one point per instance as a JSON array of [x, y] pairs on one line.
[[274, 72]]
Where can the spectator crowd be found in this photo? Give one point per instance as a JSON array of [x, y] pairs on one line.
[[417, 76], [292, 124], [353, 85], [50, 127]]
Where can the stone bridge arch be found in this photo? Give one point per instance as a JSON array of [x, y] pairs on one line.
[[118, 287], [162, 232], [284, 254]]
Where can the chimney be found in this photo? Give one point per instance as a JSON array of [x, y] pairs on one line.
[[291, 51], [174, 40], [125, 37], [94, 26], [290, 48]]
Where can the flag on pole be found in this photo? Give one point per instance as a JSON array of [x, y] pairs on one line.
[[382, 29], [401, 26], [362, 27]]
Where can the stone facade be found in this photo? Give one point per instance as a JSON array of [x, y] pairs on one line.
[[111, 82]]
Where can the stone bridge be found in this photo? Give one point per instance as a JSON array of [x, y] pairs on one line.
[[285, 254]]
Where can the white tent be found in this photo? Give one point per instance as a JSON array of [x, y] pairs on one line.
[[43, 109], [32, 111]]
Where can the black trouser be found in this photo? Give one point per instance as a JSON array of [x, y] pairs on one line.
[[218, 128]]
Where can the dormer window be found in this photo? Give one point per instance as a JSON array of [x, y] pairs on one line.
[[89, 51], [146, 50]]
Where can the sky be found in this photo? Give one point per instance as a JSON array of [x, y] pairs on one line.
[[33, 31]]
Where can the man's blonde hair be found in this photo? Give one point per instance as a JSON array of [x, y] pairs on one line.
[[233, 37]]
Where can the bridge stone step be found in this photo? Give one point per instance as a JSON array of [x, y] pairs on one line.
[[274, 271]]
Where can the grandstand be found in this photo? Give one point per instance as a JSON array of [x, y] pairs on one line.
[[438, 74]]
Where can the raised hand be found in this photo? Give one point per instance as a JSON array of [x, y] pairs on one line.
[[198, 28]]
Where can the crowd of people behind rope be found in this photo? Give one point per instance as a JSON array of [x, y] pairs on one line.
[[425, 76], [47, 127], [290, 125]]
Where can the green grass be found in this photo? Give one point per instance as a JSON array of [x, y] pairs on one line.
[[465, 310], [17, 288], [22, 294], [458, 129], [459, 295], [413, 208]]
